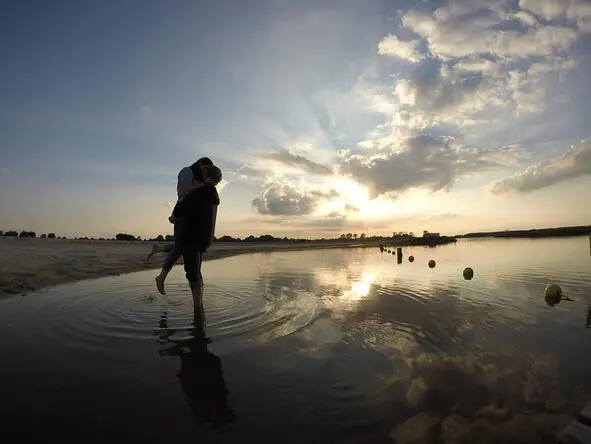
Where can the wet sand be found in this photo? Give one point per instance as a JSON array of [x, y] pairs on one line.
[[27, 265]]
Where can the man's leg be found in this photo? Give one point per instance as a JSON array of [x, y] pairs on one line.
[[198, 312], [192, 264], [173, 255]]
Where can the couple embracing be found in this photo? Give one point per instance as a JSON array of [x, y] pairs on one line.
[[194, 218]]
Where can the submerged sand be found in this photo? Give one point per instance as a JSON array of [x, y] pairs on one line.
[[29, 264]]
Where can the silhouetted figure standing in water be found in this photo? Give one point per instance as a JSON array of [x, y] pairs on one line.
[[199, 212], [194, 218], [201, 374]]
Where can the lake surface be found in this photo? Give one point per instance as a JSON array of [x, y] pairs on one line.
[[320, 346]]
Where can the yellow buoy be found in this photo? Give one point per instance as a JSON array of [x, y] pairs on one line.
[[552, 301], [553, 291], [431, 263], [468, 273], [553, 294], [411, 258]]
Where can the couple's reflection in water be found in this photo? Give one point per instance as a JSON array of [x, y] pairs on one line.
[[200, 375]]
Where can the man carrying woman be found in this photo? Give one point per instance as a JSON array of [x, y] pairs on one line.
[[194, 218]]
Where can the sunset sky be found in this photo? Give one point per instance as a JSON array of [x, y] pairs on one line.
[[325, 117]]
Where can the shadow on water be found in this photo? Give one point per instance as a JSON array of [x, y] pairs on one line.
[[201, 375]]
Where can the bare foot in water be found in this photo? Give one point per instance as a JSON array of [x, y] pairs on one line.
[[160, 284]]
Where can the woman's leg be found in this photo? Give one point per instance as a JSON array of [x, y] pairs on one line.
[[173, 255]]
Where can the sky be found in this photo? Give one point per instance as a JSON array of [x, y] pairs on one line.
[[326, 117]]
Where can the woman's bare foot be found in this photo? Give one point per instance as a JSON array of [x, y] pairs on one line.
[[160, 284]]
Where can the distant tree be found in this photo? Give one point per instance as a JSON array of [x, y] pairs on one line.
[[349, 236], [169, 237], [227, 238], [1, 233], [355, 236], [125, 237], [51, 236], [43, 236], [160, 238], [362, 236], [11, 234]]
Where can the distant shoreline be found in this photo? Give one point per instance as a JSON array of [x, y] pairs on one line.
[[581, 230], [31, 264]]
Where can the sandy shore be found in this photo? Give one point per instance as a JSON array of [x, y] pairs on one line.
[[27, 264]]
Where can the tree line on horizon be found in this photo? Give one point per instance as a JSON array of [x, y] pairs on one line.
[[397, 235], [226, 238], [13, 233]]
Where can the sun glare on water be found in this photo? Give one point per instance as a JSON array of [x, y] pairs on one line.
[[360, 289]]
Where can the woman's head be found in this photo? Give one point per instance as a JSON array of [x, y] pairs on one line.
[[212, 174], [204, 161]]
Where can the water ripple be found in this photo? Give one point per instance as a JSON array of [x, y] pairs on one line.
[[101, 315]]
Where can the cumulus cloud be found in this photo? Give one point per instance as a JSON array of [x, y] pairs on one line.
[[392, 46], [574, 163], [287, 200], [436, 163], [477, 64], [333, 222], [350, 208], [526, 18], [433, 95], [298, 161], [577, 11], [248, 172], [480, 60], [333, 219], [450, 34], [471, 66]]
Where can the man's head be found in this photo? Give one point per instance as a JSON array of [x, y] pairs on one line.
[[212, 174]]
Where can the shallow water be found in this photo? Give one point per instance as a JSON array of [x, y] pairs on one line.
[[313, 346]]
